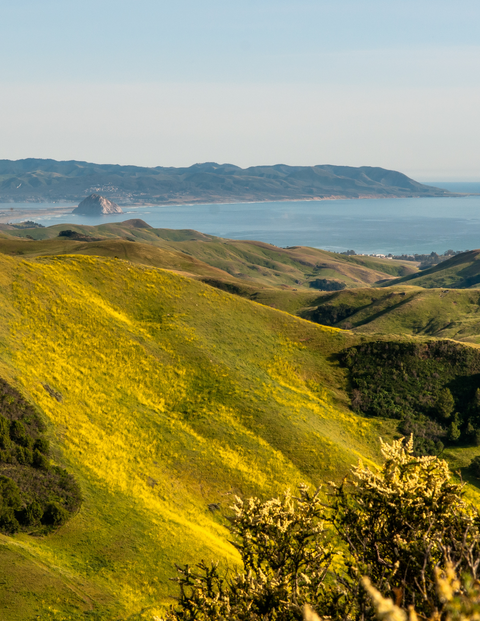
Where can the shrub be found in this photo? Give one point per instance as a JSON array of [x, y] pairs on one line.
[[10, 502], [285, 558], [325, 284], [453, 432], [9, 493], [459, 600], [54, 515], [474, 466], [445, 403], [26, 451], [8, 522], [24, 455], [5, 441], [476, 439], [31, 514], [42, 445], [396, 525], [39, 461], [400, 523], [18, 433]]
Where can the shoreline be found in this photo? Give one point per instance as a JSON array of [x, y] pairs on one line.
[[240, 201], [28, 213]]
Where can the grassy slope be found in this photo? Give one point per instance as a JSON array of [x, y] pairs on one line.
[[145, 254], [404, 311], [176, 396], [248, 261], [459, 272]]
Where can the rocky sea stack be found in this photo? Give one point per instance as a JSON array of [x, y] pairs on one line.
[[96, 205]]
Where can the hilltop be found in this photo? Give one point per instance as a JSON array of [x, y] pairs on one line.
[[49, 180]]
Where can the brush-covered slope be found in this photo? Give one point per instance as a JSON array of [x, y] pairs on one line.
[[440, 313], [459, 272], [251, 262], [175, 396], [47, 180]]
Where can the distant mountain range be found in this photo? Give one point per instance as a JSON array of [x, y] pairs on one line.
[[38, 180]]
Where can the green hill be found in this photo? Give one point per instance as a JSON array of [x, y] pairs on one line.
[[141, 253], [252, 263], [460, 272], [175, 396], [401, 310]]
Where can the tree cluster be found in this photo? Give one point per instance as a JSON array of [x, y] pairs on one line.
[[397, 525], [432, 388], [33, 492]]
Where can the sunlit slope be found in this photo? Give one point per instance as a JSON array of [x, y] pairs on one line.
[[296, 267], [250, 261], [145, 254], [401, 310], [459, 272], [175, 397]]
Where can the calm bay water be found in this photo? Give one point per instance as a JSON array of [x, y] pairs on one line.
[[407, 225]]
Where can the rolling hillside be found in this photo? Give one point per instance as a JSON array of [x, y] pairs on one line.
[[401, 310], [459, 272], [174, 397], [246, 263]]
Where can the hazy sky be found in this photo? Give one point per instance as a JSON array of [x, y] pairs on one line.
[[392, 83]]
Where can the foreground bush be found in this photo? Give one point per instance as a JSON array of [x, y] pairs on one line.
[[402, 522], [285, 556], [396, 525], [460, 600]]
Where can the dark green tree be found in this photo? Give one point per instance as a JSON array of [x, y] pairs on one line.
[[454, 432], [42, 445], [54, 514], [474, 467], [5, 441], [445, 404], [475, 404], [10, 503], [39, 460], [31, 514], [18, 433]]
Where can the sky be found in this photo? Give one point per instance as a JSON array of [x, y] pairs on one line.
[[391, 83]]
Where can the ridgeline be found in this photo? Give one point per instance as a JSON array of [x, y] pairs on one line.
[[37, 180]]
